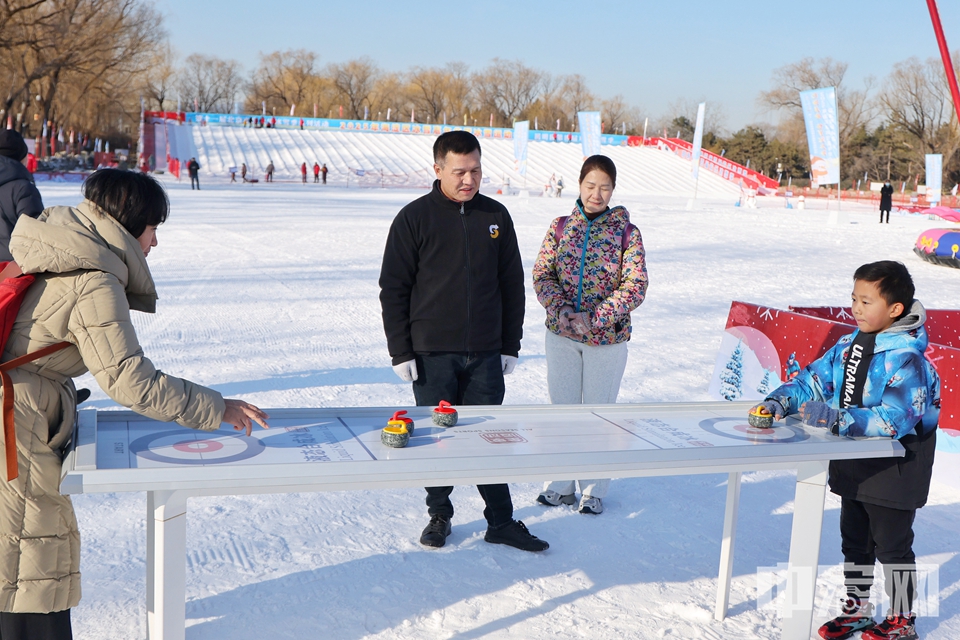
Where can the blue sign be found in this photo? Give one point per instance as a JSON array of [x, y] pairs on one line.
[[823, 134]]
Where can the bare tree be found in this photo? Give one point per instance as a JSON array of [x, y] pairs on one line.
[[458, 89], [428, 92], [354, 81], [916, 98], [615, 112], [86, 46], [391, 91], [508, 88], [11, 14], [576, 95], [286, 78], [213, 84], [159, 78], [854, 105]]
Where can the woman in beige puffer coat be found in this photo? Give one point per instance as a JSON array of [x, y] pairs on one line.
[[91, 270]]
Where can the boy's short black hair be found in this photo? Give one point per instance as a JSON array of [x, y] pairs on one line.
[[133, 199], [458, 142], [892, 279]]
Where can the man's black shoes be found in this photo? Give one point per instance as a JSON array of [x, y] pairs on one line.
[[435, 534], [514, 534]]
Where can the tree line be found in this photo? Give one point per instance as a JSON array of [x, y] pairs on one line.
[[294, 81], [90, 64]]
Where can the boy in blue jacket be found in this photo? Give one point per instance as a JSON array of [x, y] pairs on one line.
[[874, 382]]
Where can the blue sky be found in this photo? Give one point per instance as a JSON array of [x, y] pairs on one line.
[[653, 53]]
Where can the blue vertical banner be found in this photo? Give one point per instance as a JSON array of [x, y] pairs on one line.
[[823, 134], [698, 140], [589, 122], [521, 135], [934, 177]]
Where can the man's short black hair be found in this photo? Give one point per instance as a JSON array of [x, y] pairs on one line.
[[892, 280], [133, 199], [458, 142]]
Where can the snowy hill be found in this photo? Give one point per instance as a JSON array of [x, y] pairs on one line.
[[403, 160]]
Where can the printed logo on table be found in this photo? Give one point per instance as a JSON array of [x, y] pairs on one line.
[[503, 437]]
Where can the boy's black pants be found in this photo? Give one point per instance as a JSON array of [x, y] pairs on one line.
[[868, 533]]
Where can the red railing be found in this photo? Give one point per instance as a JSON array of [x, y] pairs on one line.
[[726, 169]]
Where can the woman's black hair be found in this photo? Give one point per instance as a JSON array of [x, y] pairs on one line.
[[134, 199], [600, 163]]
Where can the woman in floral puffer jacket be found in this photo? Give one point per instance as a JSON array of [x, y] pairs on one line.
[[590, 274]]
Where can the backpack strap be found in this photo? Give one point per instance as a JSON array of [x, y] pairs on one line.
[[558, 231], [625, 238], [12, 270], [9, 430]]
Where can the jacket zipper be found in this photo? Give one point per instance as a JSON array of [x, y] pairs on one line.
[[583, 258], [466, 252]]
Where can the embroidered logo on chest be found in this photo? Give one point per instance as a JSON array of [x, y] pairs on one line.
[[494, 231]]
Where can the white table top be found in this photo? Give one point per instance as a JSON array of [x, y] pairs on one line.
[[339, 448]]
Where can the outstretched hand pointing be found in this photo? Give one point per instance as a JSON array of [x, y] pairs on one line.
[[242, 415]]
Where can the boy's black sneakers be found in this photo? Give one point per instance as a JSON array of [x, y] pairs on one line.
[[897, 627], [435, 534], [855, 616], [516, 535]]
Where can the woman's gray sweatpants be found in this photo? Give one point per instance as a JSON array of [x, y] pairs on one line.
[[583, 374]]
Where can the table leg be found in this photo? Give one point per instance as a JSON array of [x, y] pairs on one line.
[[804, 551], [727, 545], [166, 565]]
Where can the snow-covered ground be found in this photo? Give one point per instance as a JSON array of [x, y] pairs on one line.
[[269, 293]]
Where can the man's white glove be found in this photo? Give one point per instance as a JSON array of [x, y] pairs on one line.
[[406, 370], [509, 363]]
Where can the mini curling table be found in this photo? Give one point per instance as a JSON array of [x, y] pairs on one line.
[[337, 449]]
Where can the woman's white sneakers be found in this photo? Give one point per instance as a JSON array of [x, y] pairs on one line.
[[554, 499], [589, 504]]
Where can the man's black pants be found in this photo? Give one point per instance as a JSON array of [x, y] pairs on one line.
[[868, 533], [463, 379], [194, 179]]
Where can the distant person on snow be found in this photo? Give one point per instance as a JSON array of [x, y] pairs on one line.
[[303, 172], [323, 172], [193, 169], [316, 172], [447, 252], [270, 171], [90, 264], [588, 304], [243, 172], [559, 186], [886, 200], [18, 193]]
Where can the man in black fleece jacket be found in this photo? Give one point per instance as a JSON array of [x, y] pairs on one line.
[[451, 291]]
